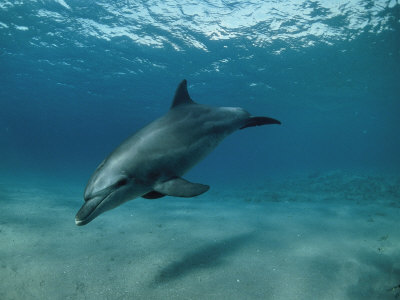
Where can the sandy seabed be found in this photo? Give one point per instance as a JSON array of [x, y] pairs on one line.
[[318, 236]]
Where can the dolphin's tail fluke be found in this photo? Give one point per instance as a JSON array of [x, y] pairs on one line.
[[258, 121]]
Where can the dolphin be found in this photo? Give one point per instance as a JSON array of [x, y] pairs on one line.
[[151, 162]]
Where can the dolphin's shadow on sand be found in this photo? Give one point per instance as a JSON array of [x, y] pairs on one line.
[[208, 256]]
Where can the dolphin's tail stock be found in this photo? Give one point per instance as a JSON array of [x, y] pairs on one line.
[[258, 121]]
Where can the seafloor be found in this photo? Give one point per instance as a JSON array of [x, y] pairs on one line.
[[317, 236]]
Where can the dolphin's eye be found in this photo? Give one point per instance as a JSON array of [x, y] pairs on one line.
[[121, 182]]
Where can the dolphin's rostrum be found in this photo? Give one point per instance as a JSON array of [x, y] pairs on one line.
[[151, 163]]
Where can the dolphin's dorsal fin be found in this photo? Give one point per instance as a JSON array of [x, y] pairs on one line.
[[181, 95]]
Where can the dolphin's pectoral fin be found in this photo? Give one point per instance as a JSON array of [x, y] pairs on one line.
[[153, 195], [179, 187], [257, 121]]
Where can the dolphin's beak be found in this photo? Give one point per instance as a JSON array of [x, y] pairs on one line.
[[88, 211]]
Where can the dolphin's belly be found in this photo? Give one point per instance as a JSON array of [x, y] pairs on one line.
[[165, 153], [173, 155]]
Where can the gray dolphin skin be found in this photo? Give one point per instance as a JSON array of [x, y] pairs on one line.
[[151, 163]]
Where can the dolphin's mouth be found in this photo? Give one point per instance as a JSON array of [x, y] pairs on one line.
[[89, 210]]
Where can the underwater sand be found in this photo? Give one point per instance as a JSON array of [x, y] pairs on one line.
[[317, 236]]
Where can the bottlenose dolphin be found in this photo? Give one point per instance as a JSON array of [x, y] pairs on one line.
[[151, 163]]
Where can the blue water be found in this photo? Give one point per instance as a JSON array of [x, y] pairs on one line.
[[78, 77]]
